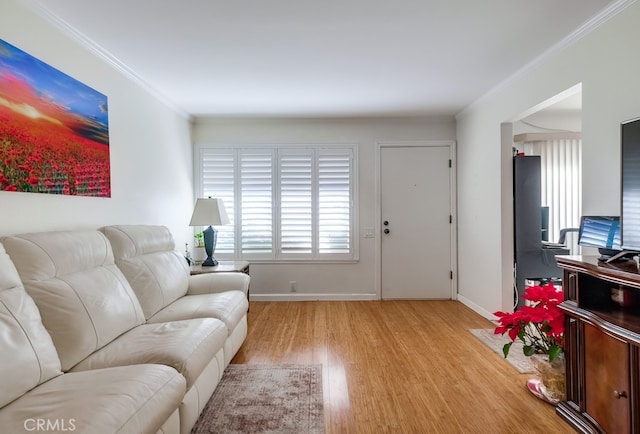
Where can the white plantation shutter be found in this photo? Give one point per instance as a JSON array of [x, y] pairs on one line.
[[334, 202], [218, 180], [287, 203], [256, 180], [296, 201]]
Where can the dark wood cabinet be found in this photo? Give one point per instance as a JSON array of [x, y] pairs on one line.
[[602, 345]]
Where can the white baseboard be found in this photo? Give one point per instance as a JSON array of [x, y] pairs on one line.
[[479, 310], [313, 297]]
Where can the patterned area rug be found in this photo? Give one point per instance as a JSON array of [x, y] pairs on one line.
[[516, 358], [274, 399]]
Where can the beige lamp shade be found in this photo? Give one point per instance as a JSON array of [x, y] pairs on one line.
[[209, 211]]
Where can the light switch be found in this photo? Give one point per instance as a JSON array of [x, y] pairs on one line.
[[369, 233]]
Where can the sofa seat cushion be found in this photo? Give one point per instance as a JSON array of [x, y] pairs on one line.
[[229, 307], [187, 346], [129, 399], [28, 355]]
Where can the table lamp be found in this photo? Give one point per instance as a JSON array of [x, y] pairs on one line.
[[209, 212]]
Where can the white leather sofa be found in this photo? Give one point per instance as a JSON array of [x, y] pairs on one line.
[[159, 275], [83, 355]]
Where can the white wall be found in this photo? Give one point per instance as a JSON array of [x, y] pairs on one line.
[[325, 281], [606, 62], [150, 146]]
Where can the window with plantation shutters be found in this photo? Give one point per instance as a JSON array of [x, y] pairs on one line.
[[285, 203]]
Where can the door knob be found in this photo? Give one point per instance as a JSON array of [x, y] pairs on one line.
[[619, 395], [386, 231], [386, 222]]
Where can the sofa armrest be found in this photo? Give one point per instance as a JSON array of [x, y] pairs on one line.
[[209, 283]]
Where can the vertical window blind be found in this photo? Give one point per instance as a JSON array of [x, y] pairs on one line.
[[561, 183], [284, 202], [561, 175]]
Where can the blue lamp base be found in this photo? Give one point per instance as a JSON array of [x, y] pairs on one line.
[[210, 240]]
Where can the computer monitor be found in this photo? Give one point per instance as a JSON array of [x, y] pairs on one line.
[[544, 214], [602, 232]]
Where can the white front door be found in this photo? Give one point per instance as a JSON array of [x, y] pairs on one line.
[[415, 196]]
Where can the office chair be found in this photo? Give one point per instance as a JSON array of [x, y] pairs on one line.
[[569, 239]]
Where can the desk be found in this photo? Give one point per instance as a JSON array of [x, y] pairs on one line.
[[534, 264]]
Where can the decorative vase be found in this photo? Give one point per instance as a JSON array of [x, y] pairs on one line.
[[198, 254], [552, 377]]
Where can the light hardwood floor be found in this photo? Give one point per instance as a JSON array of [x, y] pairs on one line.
[[399, 367]]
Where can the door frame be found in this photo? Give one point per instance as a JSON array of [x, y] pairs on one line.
[[452, 200]]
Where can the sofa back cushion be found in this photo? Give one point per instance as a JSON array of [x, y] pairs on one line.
[[28, 355], [146, 255], [84, 299]]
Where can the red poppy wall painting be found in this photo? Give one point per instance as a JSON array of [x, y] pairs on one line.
[[54, 130]]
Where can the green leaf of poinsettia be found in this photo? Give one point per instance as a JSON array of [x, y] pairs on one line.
[[528, 350], [554, 352], [506, 348]]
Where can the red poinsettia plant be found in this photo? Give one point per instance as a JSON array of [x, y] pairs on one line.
[[539, 324]]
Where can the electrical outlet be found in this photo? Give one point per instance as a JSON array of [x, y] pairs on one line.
[[293, 285]]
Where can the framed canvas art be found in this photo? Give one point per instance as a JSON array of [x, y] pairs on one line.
[[54, 130]]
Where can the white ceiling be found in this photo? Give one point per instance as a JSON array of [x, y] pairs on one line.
[[323, 58]]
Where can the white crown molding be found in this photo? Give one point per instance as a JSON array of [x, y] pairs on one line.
[[596, 21], [103, 54]]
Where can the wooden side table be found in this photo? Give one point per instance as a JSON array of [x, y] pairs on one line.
[[223, 266]]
